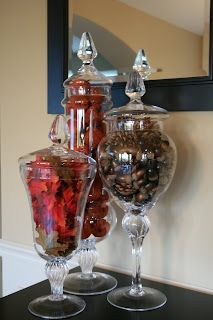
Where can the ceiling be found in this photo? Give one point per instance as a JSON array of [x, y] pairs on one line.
[[187, 14]]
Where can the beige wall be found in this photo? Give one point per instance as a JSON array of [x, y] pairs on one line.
[[179, 246], [138, 29], [23, 100]]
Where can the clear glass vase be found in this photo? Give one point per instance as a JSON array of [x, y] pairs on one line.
[[137, 161], [86, 98], [57, 181]]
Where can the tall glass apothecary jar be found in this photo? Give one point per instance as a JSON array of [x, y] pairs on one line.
[[137, 160], [87, 96]]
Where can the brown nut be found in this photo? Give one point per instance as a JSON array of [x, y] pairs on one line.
[[124, 179], [139, 174], [139, 197]]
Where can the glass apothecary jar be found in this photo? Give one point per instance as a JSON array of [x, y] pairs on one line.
[[87, 96], [137, 160], [57, 182]]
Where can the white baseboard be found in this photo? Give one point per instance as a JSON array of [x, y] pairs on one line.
[[21, 267], [158, 279]]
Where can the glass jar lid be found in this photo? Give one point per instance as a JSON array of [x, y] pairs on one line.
[[57, 155], [135, 89], [87, 53]]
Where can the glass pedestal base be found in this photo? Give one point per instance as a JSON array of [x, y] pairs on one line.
[[150, 299], [95, 283], [47, 308]]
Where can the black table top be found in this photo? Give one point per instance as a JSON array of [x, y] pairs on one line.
[[181, 304]]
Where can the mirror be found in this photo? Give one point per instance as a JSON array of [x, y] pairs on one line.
[[177, 92], [175, 40]]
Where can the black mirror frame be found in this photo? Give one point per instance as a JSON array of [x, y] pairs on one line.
[[182, 94]]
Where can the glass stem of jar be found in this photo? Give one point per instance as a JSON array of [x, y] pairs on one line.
[[56, 271], [136, 287], [87, 258], [136, 224]]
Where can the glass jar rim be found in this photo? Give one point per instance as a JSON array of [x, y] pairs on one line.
[[137, 111]]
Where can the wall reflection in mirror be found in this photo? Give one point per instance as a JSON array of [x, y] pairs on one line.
[[174, 35]]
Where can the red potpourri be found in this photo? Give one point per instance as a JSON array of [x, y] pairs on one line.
[[56, 190], [86, 131]]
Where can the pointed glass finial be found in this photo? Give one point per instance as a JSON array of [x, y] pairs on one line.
[[59, 132], [87, 51], [141, 64], [135, 87]]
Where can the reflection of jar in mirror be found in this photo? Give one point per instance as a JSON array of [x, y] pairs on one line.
[[87, 96]]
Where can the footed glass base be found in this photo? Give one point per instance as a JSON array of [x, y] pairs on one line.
[[46, 307], [92, 284], [149, 299]]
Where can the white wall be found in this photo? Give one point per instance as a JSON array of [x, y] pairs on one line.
[[179, 246]]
